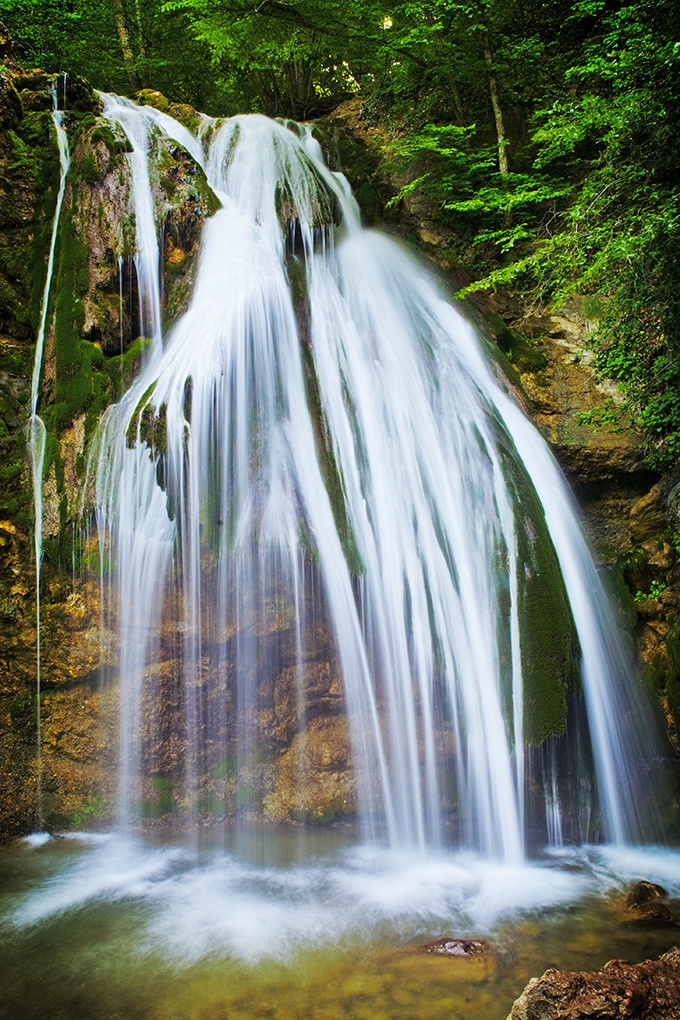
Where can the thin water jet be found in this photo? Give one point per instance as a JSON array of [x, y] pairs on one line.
[[36, 427]]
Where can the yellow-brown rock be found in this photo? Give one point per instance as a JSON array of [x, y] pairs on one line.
[[315, 780]]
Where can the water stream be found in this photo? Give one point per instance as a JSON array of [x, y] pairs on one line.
[[36, 434]]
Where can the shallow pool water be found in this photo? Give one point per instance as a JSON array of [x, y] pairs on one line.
[[290, 924]]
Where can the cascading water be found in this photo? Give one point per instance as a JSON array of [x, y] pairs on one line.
[[36, 435], [320, 441]]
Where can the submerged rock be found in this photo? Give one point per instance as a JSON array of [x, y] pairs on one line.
[[643, 991], [458, 948], [645, 906]]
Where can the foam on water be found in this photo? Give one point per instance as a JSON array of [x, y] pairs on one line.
[[216, 903]]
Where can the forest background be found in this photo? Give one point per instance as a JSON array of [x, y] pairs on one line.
[[546, 133]]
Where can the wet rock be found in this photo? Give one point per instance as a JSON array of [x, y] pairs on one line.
[[644, 893], [643, 991], [454, 947], [648, 515], [182, 112], [673, 508], [79, 95], [321, 755], [11, 109], [645, 906]]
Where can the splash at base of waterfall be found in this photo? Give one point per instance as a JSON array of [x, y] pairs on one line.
[[290, 924]]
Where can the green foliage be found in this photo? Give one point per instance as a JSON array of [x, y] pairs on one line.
[[92, 810], [291, 60], [591, 204], [656, 588], [605, 417], [82, 37]]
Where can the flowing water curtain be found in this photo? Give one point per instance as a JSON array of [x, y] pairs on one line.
[[319, 442]]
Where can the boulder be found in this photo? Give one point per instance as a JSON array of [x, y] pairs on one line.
[[645, 905], [643, 991]]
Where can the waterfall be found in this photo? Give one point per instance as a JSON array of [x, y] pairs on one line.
[[319, 446], [36, 428]]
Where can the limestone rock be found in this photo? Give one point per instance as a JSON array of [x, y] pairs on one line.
[[648, 515], [315, 780], [643, 991]]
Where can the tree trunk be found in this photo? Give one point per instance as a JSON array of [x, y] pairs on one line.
[[457, 102], [496, 103], [124, 39], [140, 30]]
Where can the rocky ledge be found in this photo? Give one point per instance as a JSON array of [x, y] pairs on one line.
[[642, 991]]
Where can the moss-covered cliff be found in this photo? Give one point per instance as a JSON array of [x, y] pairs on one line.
[[92, 347]]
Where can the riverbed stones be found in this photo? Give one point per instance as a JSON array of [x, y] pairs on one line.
[[620, 991]]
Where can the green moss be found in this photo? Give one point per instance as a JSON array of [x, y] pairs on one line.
[[329, 466], [30, 168], [13, 413], [132, 431], [225, 769], [87, 169], [519, 350], [93, 809], [153, 427], [123, 368], [163, 801], [80, 385], [23, 715], [248, 797], [549, 646], [115, 145], [150, 97], [673, 680], [86, 121]]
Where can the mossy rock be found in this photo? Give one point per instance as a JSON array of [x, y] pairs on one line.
[[181, 112], [346, 153], [549, 645], [78, 94], [519, 350], [11, 107]]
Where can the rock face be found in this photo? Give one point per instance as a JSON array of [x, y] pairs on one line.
[[92, 348], [643, 991]]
